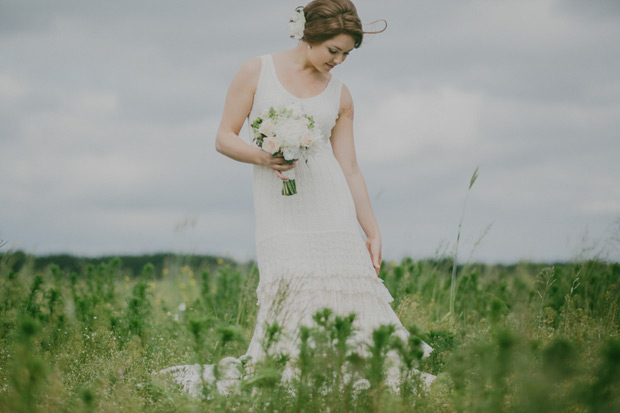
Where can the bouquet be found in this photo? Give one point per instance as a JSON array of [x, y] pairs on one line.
[[287, 130]]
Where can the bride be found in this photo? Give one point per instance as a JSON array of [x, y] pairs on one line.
[[308, 245]]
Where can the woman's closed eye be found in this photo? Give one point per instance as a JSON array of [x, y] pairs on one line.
[[336, 51]]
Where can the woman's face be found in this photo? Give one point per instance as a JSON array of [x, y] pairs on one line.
[[327, 55]]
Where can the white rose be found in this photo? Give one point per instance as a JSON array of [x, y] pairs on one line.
[[271, 145], [307, 138], [289, 132], [290, 152], [267, 127]]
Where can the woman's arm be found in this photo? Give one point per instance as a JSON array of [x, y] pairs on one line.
[[239, 99], [344, 151]]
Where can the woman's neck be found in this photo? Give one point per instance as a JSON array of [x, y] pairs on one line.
[[298, 59]]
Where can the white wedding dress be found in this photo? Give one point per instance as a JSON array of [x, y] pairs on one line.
[[308, 245]]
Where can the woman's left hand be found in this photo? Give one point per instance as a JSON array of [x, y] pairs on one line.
[[374, 248]]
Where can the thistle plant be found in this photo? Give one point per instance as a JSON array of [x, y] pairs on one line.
[[29, 372], [226, 335], [205, 291], [138, 309], [602, 395], [381, 339], [304, 363], [32, 304], [410, 353], [267, 373], [228, 294]]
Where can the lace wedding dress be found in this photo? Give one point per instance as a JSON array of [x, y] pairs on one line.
[[308, 246]]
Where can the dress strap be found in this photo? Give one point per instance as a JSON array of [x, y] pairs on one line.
[[265, 82], [266, 60], [269, 67], [336, 88]]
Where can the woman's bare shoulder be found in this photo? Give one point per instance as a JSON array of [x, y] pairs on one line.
[[246, 78], [250, 70], [252, 66], [346, 102]]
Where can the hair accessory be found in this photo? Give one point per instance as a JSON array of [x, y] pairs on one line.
[[297, 23]]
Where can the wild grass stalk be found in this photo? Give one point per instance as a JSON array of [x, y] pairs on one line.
[[472, 180]]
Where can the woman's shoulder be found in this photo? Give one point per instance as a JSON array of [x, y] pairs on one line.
[[248, 74], [251, 67], [346, 100]]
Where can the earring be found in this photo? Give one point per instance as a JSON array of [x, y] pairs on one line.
[[309, 47]]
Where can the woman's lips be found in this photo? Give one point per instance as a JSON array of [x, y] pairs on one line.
[[330, 66]]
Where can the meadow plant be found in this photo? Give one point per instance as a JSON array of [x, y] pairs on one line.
[[525, 338], [456, 245], [33, 301], [137, 315], [27, 372], [410, 353], [228, 294]]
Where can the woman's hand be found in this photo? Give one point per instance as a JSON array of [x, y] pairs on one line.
[[374, 248], [277, 163]]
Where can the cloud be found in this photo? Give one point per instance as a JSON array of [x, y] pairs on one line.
[[610, 206], [11, 88], [406, 122], [108, 112]]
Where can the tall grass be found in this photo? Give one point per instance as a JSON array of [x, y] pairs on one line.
[[523, 338], [472, 180]]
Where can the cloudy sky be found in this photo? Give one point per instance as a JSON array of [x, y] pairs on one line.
[[108, 115]]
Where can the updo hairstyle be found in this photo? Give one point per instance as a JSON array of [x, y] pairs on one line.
[[326, 19]]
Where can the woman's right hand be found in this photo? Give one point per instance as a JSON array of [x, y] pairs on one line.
[[277, 163]]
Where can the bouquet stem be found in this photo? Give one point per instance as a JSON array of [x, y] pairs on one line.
[[288, 186]]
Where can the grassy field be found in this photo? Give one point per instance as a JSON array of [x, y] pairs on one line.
[[522, 338]]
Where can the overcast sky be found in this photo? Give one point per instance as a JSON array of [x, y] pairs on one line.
[[109, 109]]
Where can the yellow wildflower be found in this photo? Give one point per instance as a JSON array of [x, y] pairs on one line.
[[192, 282], [220, 261], [126, 278], [164, 272]]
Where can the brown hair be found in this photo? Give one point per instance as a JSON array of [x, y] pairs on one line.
[[326, 19]]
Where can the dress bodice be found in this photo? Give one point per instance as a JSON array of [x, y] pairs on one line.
[[323, 197], [323, 107]]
